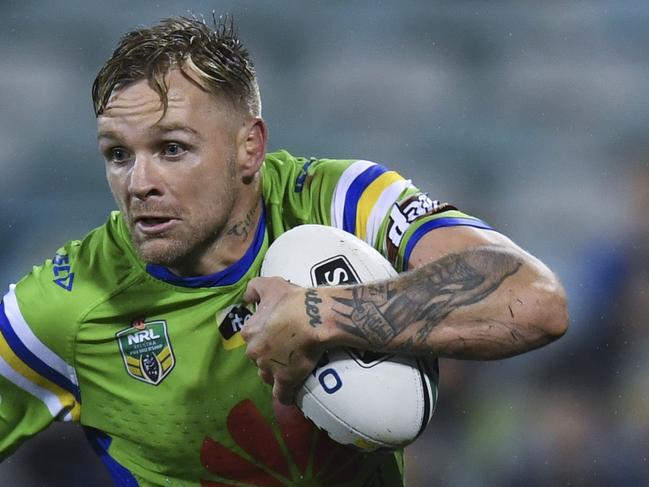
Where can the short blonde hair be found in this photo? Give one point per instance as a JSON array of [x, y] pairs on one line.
[[212, 56]]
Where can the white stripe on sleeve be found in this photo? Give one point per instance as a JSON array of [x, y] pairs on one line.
[[50, 399], [340, 192], [31, 341], [382, 207]]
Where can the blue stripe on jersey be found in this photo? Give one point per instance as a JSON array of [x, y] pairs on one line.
[[35, 363], [438, 223], [354, 193], [100, 442], [229, 275]]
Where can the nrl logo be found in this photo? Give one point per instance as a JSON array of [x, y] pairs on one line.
[[146, 350]]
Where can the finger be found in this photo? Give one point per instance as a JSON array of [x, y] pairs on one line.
[[252, 292], [266, 376], [259, 286], [247, 331], [283, 393]]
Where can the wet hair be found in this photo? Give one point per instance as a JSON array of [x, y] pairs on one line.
[[212, 56]]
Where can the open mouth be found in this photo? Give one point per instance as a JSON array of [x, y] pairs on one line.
[[149, 222], [152, 225]]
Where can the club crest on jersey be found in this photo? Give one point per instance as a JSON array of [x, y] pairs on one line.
[[146, 350], [335, 271]]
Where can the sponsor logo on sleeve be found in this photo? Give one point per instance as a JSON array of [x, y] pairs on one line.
[[303, 177], [146, 351], [335, 271], [403, 214], [61, 270]]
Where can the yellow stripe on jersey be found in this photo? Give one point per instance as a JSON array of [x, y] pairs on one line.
[[66, 399], [133, 362], [164, 355], [369, 198], [135, 370], [233, 342]]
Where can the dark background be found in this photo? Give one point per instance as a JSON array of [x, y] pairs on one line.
[[530, 115]]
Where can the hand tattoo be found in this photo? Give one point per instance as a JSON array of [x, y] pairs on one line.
[[311, 302]]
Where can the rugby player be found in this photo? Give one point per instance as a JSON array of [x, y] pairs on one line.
[[137, 330]]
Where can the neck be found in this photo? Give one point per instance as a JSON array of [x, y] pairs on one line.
[[230, 244]]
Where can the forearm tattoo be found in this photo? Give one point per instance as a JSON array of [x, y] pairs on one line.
[[379, 312]]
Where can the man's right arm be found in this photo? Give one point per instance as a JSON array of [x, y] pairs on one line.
[[37, 384], [22, 415]]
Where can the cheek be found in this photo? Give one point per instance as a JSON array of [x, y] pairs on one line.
[[116, 186], [113, 181], [213, 185], [213, 198]]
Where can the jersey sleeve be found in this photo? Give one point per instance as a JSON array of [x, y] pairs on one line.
[[38, 383], [376, 204]]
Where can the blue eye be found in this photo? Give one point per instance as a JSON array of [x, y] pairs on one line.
[[119, 155], [173, 149]]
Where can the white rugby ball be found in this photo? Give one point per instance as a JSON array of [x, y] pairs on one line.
[[366, 399]]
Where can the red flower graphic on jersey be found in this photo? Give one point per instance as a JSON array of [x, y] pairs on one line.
[[301, 451]]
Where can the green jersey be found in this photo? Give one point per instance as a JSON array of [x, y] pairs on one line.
[[153, 365]]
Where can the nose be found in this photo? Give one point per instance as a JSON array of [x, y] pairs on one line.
[[144, 179]]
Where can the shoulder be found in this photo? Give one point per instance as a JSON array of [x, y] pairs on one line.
[[52, 299], [298, 190], [343, 193], [298, 173]]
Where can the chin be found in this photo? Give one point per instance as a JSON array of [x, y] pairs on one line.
[[164, 252]]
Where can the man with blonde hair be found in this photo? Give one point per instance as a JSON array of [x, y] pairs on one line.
[[137, 330]]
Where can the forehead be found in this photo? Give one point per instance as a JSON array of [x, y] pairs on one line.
[[138, 107]]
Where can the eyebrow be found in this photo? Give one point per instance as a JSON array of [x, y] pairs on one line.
[[174, 127], [160, 129], [108, 134]]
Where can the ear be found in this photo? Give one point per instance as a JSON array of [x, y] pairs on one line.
[[251, 142]]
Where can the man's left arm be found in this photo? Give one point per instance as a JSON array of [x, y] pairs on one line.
[[470, 294]]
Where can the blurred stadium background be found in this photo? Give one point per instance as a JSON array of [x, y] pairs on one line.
[[531, 115]]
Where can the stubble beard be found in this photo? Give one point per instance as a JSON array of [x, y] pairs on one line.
[[181, 249]]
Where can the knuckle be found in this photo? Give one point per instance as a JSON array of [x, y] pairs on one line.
[[279, 378], [266, 376], [246, 333], [252, 353], [282, 393], [284, 378]]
